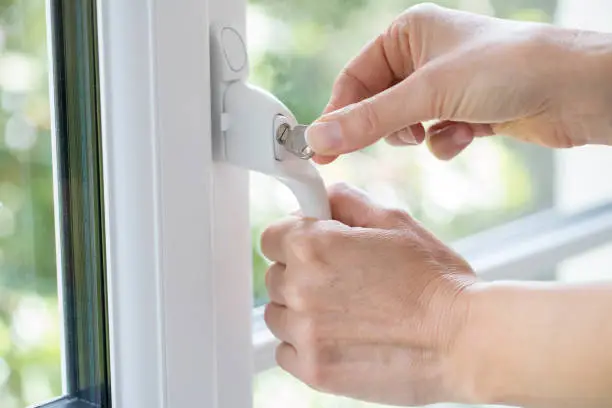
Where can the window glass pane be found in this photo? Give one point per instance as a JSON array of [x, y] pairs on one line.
[[30, 363], [594, 265], [577, 183], [297, 48]]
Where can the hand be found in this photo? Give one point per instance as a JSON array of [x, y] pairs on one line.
[[367, 306], [477, 76]]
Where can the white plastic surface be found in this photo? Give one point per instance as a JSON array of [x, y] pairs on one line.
[[229, 57], [244, 122], [234, 49], [250, 143], [178, 243]]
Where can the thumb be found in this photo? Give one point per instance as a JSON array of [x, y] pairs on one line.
[[362, 124], [354, 208]]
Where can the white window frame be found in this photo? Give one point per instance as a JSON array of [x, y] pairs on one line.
[[177, 224]]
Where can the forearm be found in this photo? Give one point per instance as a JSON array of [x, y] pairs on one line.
[[538, 345]]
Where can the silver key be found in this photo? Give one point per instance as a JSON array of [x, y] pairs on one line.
[[294, 140]]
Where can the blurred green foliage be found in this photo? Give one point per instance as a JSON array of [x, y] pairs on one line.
[[30, 365]]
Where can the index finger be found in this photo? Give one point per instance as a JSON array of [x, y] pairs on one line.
[[366, 75]]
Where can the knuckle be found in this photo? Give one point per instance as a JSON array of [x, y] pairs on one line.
[[319, 367], [421, 12], [396, 216], [311, 335], [276, 281], [299, 297], [315, 375], [370, 117], [339, 190], [331, 239], [560, 138], [429, 79], [347, 79], [422, 23], [304, 243], [267, 237], [272, 315]]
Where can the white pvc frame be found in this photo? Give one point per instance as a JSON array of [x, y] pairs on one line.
[[178, 239], [178, 236]]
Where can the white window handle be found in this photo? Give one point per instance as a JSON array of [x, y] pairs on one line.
[[247, 119], [245, 122]]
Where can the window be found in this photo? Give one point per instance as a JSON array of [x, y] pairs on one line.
[[590, 266], [53, 298], [159, 272], [30, 320]]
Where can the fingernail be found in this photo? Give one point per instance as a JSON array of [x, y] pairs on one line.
[[324, 137], [406, 136], [441, 131]]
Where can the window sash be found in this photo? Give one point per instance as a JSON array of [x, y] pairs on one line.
[[78, 189], [527, 248], [178, 240]]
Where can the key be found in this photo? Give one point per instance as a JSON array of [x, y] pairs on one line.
[[294, 140]]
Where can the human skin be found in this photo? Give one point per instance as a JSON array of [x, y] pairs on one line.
[[477, 76], [371, 305]]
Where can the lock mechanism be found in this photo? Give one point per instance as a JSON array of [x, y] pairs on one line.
[[294, 140], [254, 130]]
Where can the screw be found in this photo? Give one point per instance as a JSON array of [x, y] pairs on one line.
[[282, 133]]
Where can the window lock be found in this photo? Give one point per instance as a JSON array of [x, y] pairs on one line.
[[253, 129], [294, 140]]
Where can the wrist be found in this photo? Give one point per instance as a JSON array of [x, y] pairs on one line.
[[534, 344], [490, 356], [465, 362]]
